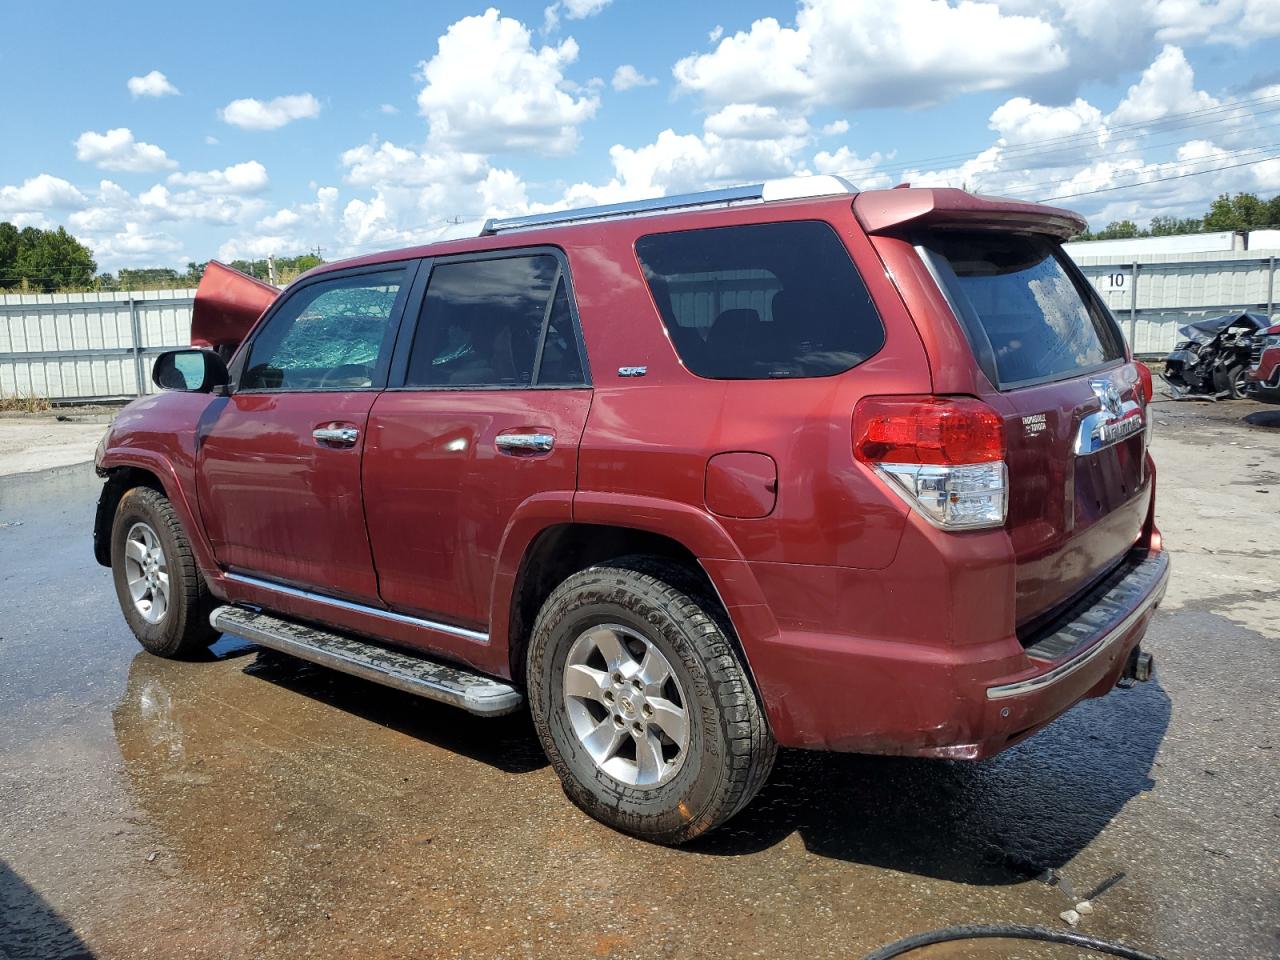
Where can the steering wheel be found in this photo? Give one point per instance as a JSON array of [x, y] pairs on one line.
[[348, 375]]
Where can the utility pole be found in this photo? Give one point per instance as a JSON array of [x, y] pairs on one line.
[[271, 270]]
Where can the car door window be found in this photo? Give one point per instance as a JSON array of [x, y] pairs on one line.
[[502, 322], [330, 335]]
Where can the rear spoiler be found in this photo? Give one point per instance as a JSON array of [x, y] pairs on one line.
[[892, 211], [228, 304]]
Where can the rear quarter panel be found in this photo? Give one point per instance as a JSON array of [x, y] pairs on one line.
[[651, 437]]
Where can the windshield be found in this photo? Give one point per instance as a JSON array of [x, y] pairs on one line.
[[1027, 316]]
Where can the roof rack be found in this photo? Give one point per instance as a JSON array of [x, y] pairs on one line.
[[789, 188]]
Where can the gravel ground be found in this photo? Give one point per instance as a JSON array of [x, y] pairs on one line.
[[30, 443], [251, 806]]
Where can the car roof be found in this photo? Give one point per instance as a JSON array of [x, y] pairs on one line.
[[879, 211]]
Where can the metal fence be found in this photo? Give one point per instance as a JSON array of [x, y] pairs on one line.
[[1153, 295], [88, 346], [95, 346]]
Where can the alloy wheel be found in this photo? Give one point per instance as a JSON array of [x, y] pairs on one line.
[[625, 705], [147, 572]]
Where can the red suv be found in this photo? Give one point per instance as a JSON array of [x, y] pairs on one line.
[[1264, 369], [777, 465]]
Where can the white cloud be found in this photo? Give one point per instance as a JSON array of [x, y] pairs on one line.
[[521, 100], [387, 164], [134, 245], [211, 140], [750, 121], [627, 77], [159, 203], [715, 33], [580, 9], [573, 9], [1237, 22], [1167, 86], [252, 114], [389, 109], [153, 84], [288, 231], [117, 150], [836, 128], [40, 193], [861, 171], [240, 178], [862, 53]]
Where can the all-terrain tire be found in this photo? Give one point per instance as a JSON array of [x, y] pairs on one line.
[[730, 748], [183, 631]]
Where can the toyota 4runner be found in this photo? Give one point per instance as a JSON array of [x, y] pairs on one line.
[[784, 465]]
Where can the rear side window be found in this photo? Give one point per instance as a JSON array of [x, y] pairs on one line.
[[761, 301], [496, 323], [1025, 313]]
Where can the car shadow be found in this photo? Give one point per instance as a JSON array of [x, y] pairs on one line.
[[1000, 821], [30, 929], [507, 743]]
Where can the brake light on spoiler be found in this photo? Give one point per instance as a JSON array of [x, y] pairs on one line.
[[943, 455]]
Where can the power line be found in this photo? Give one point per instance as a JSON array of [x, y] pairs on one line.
[[1057, 182], [1163, 124], [1143, 183]]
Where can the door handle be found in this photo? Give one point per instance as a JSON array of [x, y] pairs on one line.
[[338, 436], [517, 442]]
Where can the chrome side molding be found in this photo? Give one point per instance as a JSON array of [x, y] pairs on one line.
[[475, 636]]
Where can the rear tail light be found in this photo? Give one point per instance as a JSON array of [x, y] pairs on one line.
[[1144, 378], [943, 455]]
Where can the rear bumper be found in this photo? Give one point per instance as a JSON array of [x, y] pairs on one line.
[[893, 696], [1093, 633]]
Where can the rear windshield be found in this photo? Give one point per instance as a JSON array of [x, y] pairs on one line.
[[762, 301], [1027, 316]]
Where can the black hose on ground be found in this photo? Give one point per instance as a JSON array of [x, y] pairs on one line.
[[1007, 932]]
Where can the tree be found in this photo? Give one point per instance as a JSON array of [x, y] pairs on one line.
[[1170, 226], [1118, 230], [9, 242], [148, 277], [1244, 211], [1273, 212], [45, 259]]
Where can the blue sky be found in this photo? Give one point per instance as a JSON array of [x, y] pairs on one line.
[[163, 133]]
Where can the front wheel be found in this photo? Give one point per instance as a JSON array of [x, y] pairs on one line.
[[160, 589], [642, 704], [1238, 382]]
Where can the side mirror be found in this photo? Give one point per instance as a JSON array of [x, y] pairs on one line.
[[191, 371]]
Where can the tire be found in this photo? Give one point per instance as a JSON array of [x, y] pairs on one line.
[[1237, 382], [177, 628], [703, 776]]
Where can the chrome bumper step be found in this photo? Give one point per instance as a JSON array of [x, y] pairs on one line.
[[446, 683]]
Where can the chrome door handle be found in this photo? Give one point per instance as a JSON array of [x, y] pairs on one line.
[[338, 436], [539, 442]]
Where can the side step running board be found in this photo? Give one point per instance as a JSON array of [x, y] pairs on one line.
[[458, 686]]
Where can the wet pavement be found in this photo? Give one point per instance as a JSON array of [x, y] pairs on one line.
[[252, 806]]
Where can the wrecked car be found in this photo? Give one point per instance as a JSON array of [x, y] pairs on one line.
[[1213, 357]]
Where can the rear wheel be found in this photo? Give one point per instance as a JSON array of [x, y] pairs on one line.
[[643, 705], [160, 589]]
